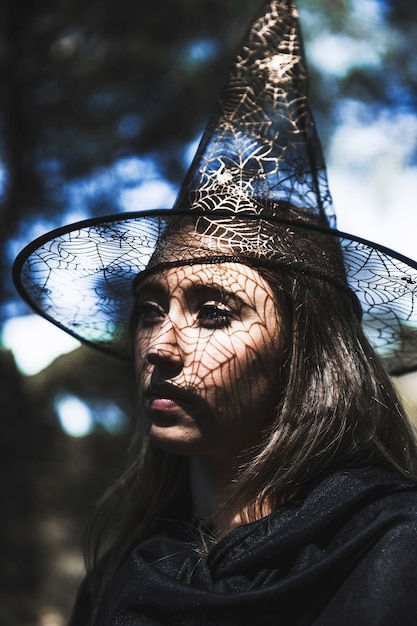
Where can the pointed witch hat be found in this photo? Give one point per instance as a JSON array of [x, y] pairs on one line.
[[255, 193]]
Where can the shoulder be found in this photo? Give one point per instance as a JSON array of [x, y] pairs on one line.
[[365, 508], [380, 584], [371, 533], [373, 491]]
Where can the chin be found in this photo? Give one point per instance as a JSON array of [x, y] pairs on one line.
[[174, 440]]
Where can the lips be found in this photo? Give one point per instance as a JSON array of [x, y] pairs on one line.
[[166, 397]]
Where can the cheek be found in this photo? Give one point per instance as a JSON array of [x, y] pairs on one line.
[[235, 367], [214, 358], [142, 366], [140, 342], [252, 374]]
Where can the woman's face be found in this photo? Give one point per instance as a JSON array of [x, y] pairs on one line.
[[207, 352]]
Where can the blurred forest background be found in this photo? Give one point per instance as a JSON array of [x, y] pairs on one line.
[[102, 104]]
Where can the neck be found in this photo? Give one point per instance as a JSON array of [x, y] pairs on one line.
[[209, 480]]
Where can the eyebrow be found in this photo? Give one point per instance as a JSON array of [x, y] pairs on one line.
[[197, 289], [216, 289]]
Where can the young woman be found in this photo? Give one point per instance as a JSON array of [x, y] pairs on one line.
[[272, 479]]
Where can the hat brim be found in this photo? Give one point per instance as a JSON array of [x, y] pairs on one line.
[[80, 277]]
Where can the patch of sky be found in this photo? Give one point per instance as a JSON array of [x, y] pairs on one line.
[[200, 51], [373, 175], [360, 42], [3, 180], [8, 310], [35, 343], [28, 231], [80, 196], [387, 134], [132, 169], [51, 173], [148, 196], [147, 189], [131, 183], [338, 54], [74, 416], [144, 186], [368, 10], [79, 418], [190, 150], [109, 417], [128, 184]]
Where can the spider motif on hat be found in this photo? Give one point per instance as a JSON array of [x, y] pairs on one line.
[[256, 192]]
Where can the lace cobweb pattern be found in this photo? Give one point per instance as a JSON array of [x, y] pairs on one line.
[[259, 163], [262, 141], [82, 281], [386, 287]]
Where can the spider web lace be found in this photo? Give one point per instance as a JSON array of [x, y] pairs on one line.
[[259, 157]]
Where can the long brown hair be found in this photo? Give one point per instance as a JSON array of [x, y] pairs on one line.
[[338, 409]]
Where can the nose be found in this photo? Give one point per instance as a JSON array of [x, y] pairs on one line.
[[164, 347]]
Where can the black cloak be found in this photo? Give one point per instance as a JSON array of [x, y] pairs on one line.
[[343, 552]]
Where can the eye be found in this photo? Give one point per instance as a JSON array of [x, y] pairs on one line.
[[212, 315], [149, 313]]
